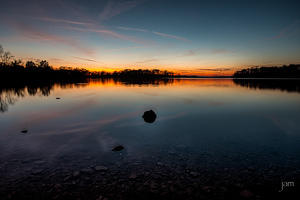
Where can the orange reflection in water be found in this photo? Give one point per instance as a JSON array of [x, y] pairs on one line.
[[204, 82], [115, 88]]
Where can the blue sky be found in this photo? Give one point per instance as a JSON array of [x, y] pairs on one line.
[[194, 37]]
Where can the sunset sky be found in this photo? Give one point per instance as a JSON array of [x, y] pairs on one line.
[[188, 37]]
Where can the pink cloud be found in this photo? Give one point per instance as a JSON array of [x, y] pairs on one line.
[[154, 32], [38, 35], [110, 33], [170, 36], [147, 61], [91, 27], [64, 21], [85, 59], [132, 29], [215, 69], [289, 30]]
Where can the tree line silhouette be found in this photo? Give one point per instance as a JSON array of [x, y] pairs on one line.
[[134, 74], [285, 71], [14, 69], [11, 92]]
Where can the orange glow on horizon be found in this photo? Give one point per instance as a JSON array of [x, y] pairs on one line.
[[190, 72], [175, 71]]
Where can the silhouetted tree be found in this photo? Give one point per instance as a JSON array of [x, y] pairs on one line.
[[290, 71], [30, 65], [16, 63], [1, 50], [44, 65], [5, 56], [43, 71]]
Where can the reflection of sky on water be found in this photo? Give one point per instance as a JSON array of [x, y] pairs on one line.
[[202, 114]]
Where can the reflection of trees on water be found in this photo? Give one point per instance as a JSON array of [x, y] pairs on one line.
[[289, 85], [42, 90], [135, 81], [11, 92], [6, 99], [153, 82]]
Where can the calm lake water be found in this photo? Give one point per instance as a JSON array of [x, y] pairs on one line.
[[208, 123]]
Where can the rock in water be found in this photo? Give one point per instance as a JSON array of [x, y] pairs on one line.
[[24, 131], [118, 148], [149, 116]]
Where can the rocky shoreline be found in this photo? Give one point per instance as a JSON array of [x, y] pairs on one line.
[[151, 178]]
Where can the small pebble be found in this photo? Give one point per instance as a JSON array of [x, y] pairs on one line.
[[100, 168]]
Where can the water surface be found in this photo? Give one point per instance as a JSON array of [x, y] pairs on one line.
[[210, 124]]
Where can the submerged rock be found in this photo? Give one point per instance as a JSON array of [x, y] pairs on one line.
[[87, 170], [149, 116], [76, 173], [118, 148], [57, 97]]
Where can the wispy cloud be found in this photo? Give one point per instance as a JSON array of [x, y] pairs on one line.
[[147, 61], [55, 20], [76, 18], [214, 69], [153, 32], [54, 60], [85, 59], [194, 52], [124, 48], [190, 53], [170, 36], [132, 29], [38, 35], [288, 30], [114, 8], [110, 33], [91, 27]]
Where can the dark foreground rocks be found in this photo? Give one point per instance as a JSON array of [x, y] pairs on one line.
[[145, 181], [169, 174]]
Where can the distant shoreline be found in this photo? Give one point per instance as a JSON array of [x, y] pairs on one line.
[[277, 72]]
